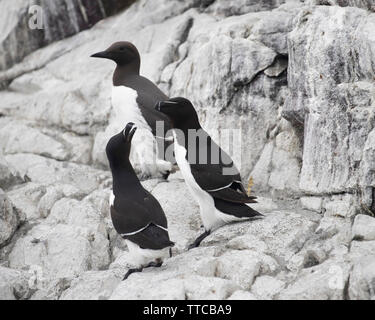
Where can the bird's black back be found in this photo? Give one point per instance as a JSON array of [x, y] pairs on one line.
[[134, 209]]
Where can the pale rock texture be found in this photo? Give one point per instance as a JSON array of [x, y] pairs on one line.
[[291, 81], [331, 96], [362, 279], [14, 284], [10, 218], [323, 282], [57, 20], [92, 285], [267, 287], [8, 176], [363, 227]]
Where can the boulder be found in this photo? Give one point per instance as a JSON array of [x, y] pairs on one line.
[[10, 219], [14, 284], [363, 227]]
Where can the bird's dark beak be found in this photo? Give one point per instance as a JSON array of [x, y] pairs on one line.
[[101, 54], [160, 106], [129, 131]]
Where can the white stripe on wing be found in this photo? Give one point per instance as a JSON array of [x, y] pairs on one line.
[[140, 230]]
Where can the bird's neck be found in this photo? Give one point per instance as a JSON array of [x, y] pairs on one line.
[[188, 124], [124, 72], [123, 176], [188, 132]]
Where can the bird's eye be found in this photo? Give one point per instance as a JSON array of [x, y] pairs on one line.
[[122, 49]]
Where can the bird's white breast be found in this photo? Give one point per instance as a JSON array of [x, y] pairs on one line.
[[143, 155], [206, 202], [125, 107]]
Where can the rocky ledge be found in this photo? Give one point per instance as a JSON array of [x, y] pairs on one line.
[[296, 77]]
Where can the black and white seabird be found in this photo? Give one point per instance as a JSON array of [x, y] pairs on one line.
[[133, 100], [136, 215], [221, 197]]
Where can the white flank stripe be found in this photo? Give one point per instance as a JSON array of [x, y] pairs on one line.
[[212, 190], [140, 230]]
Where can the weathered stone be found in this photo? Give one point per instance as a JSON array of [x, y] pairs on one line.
[[245, 276], [363, 227], [331, 95], [135, 288], [364, 4], [323, 282], [8, 176], [230, 8], [60, 251], [242, 295], [312, 203], [19, 138], [266, 287], [14, 284], [92, 285], [294, 81], [362, 279], [249, 265], [10, 219], [26, 198], [361, 249], [36, 23], [48, 171], [55, 193]]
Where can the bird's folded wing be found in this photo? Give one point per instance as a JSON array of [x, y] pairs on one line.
[[211, 177], [152, 237], [239, 210], [232, 195], [130, 216], [227, 187]]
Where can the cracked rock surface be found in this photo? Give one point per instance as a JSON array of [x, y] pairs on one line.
[[297, 78]]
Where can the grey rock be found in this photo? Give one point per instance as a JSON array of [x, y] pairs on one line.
[[322, 89], [266, 287], [280, 235], [19, 138], [60, 19], [361, 249], [242, 295], [250, 265], [61, 251], [48, 171], [231, 8], [92, 285], [363, 227], [362, 279], [10, 219], [14, 284], [364, 4], [322, 282], [25, 199], [312, 203], [8, 176], [299, 89]]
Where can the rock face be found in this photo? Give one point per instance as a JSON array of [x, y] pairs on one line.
[[292, 82], [9, 218], [331, 96], [29, 25]]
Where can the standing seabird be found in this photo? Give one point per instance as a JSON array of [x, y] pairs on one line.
[[219, 192], [136, 215], [133, 100]]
